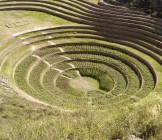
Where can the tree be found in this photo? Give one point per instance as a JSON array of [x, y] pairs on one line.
[[148, 6]]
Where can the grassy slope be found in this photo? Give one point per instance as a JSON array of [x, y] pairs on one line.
[[22, 119], [35, 20]]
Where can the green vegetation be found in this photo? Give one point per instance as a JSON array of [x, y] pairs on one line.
[[75, 70], [35, 20], [105, 81], [153, 7], [22, 119]]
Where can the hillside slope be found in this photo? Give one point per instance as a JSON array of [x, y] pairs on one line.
[[73, 69]]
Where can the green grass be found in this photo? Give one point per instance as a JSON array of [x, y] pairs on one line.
[[21, 74], [131, 74], [92, 102], [63, 66], [40, 122], [64, 85], [36, 20], [105, 81]]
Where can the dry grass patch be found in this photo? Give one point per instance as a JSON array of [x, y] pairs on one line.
[[84, 84]]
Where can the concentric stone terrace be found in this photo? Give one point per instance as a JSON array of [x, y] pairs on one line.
[[112, 57]]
